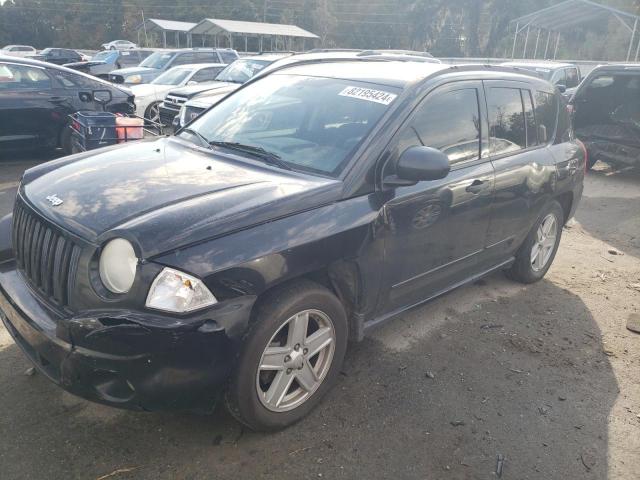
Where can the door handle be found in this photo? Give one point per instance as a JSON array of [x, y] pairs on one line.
[[57, 99], [476, 187]]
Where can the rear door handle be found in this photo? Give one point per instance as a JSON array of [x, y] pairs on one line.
[[476, 187], [57, 99]]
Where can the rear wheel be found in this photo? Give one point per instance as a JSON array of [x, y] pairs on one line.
[[538, 251], [291, 357]]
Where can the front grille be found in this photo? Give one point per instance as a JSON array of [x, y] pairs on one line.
[[174, 102], [47, 258]]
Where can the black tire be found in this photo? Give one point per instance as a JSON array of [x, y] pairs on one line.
[[241, 397], [523, 270], [591, 161], [147, 112]]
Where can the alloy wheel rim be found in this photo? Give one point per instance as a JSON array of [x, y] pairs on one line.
[[545, 243], [295, 361], [154, 113]]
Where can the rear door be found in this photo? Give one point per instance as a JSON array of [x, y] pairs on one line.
[[25, 106], [524, 166], [438, 229]]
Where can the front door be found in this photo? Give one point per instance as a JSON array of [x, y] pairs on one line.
[[437, 229]]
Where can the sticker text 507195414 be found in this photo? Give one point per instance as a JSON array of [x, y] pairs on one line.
[[369, 94]]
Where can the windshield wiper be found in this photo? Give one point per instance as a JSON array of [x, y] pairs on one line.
[[259, 152], [199, 136]]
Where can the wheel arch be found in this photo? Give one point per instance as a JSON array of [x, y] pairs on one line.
[[566, 202]]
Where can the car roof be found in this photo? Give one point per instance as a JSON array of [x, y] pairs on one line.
[[198, 66], [400, 74], [269, 57], [539, 64], [629, 67]]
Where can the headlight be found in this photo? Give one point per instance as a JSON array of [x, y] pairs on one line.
[[118, 266], [175, 291], [133, 79]]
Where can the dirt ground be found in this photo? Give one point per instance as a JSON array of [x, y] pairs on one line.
[[541, 382]]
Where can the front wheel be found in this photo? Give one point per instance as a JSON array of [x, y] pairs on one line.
[[535, 256], [291, 357], [153, 112]]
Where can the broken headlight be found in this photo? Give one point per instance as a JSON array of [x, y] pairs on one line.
[[175, 291]]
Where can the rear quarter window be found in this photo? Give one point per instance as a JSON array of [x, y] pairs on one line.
[[546, 110]]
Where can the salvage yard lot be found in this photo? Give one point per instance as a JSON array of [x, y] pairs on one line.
[[545, 376]]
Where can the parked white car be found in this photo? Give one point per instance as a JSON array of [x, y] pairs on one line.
[[148, 96], [18, 50], [119, 45]]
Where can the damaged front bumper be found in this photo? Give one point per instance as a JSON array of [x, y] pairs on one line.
[[126, 359]]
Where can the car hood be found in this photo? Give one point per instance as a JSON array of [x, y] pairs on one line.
[[212, 97], [149, 89], [85, 63], [191, 90], [165, 194], [134, 71]]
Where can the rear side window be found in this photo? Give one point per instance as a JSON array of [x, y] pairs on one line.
[[448, 121], [506, 120], [21, 77], [202, 57], [227, 56], [546, 115], [184, 59], [573, 79], [128, 58]]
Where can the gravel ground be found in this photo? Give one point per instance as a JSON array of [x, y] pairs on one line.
[[542, 380]]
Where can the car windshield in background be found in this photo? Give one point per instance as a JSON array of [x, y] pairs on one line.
[[175, 76], [241, 70], [307, 123], [157, 60], [106, 55], [46, 51]]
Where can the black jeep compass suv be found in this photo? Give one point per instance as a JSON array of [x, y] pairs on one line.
[[236, 258]]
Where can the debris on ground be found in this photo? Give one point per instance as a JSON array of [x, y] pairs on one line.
[[613, 251], [30, 372], [458, 423], [633, 324], [588, 460], [117, 472], [499, 465], [430, 375], [635, 286], [489, 326], [543, 410]]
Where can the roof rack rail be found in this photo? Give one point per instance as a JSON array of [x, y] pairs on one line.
[[411, 53]]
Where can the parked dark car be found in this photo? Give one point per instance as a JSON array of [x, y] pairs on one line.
[[308, 206], [565, 76], [163, 60], [105, 62], [234, 75], [59, 56], [36, 99], [606, 114]]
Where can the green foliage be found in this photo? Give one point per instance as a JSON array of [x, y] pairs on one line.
[[478, 28]]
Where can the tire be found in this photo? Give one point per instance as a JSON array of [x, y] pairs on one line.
[[153, 112], [591, 161], [527, 269], [249, 396]]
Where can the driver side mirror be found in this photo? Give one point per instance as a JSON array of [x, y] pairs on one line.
[[418, 164], [102, 96], [562, 88]]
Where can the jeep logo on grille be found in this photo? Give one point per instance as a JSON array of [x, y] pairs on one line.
[[54, 200]]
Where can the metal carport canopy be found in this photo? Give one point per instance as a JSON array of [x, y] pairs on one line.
[[156, 24], [569, 14], [212, 26]]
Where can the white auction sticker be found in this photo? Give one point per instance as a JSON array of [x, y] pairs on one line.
[[378, 96]]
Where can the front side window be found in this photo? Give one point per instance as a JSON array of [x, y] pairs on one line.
[[128, 58], [206, 74], [185, 59], [107, 56], [71, 80], [506, 120], [21, 77], [312, 124], [227, 56], [447, 121]]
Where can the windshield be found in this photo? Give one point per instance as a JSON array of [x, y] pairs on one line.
[[46, 51], [310, 123], [104, 56], [241, 70], [174, 76], [157, 60]]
